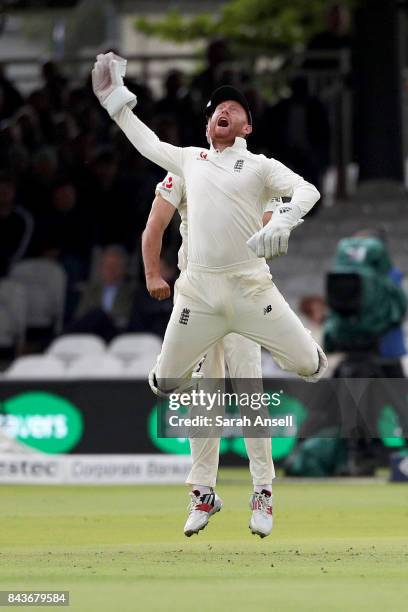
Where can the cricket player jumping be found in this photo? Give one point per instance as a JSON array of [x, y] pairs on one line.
[[227, 285], [242, 356]]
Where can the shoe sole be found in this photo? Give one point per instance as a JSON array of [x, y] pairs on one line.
[[261, 535], [258, 533], [188, 534]]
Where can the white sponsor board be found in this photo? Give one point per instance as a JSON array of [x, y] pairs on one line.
[[39, 468]]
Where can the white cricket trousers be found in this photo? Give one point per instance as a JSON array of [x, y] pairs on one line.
[[214, 302], [243, 358]]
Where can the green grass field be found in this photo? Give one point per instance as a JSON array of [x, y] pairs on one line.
[[338, 547]]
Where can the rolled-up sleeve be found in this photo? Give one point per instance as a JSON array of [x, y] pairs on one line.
[[172, 189], [283, 182]]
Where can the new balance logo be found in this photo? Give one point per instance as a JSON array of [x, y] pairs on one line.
[[184, 317], [283, 210], [239, 164], [267, 309]]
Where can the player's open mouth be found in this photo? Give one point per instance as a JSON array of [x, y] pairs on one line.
[[223, 122]]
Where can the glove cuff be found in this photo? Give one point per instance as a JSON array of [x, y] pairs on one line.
[[290, 212], [119, 98]]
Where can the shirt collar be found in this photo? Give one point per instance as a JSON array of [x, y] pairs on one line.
[[240, 143]]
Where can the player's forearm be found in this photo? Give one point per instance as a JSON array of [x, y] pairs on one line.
[[284, 182], [151, 248], [305, 195], [148, 144]]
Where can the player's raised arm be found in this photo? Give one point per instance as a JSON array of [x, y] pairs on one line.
[[107, 82], [160, 216]]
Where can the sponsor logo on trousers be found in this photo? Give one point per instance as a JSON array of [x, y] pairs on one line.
[[184, 317]]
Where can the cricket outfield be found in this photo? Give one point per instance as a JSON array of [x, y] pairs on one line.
[[335, 546]]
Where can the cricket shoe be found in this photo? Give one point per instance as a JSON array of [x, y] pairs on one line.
[[200, 509], [261, 520]]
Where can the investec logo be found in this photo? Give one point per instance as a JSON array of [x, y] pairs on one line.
[[33, 468]]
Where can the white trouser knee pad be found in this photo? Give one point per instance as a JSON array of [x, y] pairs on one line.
[[322, 367], [185, 384]]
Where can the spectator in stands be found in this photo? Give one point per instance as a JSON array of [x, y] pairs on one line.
[[63, 228], [110, 201], [19, 159], [64, 232], [177, 104], [336, 37], [300, 133], [260, 137], [204, 83], [8, 138], [313, 310], [106, 304], [148, 314], [40, 103], [54, 84], [144, 97], [28, 127], [16, 225], [10, 99], [36, 192]]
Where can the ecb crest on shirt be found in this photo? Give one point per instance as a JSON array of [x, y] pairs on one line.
[[239, 164]]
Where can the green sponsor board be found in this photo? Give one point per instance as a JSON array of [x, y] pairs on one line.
[[389, 428], [47, 422]]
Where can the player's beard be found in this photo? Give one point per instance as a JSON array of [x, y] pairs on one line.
[[225, 135]]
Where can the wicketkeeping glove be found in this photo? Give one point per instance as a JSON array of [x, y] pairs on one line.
[[272, 240], [107, 82]]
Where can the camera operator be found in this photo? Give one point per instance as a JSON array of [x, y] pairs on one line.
[[367, 307]]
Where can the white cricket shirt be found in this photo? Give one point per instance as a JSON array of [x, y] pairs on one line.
[[173, 190], [226, 191]]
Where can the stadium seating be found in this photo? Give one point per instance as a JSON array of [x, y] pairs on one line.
[[95, 366], [35, 367], [13, 313], [129, 347], [139, 367], [45, 284], [70, 347]]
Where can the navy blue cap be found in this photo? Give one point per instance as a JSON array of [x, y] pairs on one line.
[[226, 92]]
